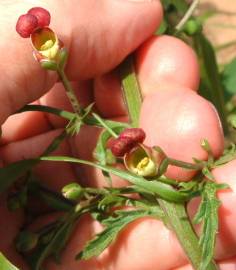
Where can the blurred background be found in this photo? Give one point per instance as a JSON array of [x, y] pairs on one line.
[[220, 27]]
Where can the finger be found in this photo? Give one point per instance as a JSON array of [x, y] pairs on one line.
[[24, 125], [52, 174], [167, 60], [108, 95], [97, 41], [136, 247], [161, 62], [10, 225], [223, 265], [57, 98], [172, 120], [226, 236]]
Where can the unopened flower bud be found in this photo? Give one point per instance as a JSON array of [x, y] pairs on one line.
[[135, 134], [42, 15], [26, 25], [26, 241], [120, 146], [72, 191], [192, 27]]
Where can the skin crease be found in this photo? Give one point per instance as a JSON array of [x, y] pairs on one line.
[[35, 82], [160, 62], [171, 117], [107, 89], [24, 125]]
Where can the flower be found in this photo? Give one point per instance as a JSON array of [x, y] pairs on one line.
[[45, 44], [127, 140], [140, 161]]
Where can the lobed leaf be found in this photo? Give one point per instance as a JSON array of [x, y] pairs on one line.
[[113, 226], [207, 214]]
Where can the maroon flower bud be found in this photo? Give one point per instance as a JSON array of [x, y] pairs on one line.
[[42, 15], [137, 135], [120, 146], [26, 25]]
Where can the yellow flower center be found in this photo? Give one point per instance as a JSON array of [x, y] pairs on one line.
[[47, 45], [145, 167]]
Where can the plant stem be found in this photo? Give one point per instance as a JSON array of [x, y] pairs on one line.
[[175, 212], [131, 90], [187, 15], [185, 165], [69, 91], [33, 107], [103, 124], [179, 222]]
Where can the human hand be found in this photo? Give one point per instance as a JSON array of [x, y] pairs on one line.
[[145, 244]]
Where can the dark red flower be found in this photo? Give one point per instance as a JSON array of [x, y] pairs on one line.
[[42, 15], [26, 25], [120, 146], [137, 135]]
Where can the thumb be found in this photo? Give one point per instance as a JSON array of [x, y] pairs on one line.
[[98, 34]]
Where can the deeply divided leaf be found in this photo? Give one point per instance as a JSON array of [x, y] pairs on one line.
[[113, 226], [207, 214]]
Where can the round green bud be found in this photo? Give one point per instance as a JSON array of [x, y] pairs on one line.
[[192, 27], [72, 191]]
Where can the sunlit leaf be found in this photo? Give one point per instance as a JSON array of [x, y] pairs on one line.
[[5, 264]]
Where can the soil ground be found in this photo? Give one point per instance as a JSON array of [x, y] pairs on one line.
[[221, 28]]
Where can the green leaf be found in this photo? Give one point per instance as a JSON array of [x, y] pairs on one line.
[[229, 79], [10, 173], [100, 152], [57, 242], [229, 155], [207, 214], [131, 90], [41, 108], [5, 264], [154, 187], [113, 226], [211, 81]]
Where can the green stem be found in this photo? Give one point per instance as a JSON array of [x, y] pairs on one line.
[[185, 165], [103, 124], [69, 91], [179, 222], [33, 107], [131, 90], [175, 212], [187, 15]]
